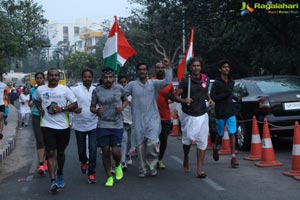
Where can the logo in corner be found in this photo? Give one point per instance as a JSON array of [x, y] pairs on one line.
[[246, 9]]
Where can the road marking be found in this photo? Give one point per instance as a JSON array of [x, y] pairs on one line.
[[207, 180], [213, 184]]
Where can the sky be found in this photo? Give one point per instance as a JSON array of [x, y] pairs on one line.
[[95, 10]]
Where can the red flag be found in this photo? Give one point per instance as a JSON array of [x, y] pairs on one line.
[[117, 50], [182, 68]]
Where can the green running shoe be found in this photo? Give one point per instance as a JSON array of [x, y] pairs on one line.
[[109, 181], [119, 172]]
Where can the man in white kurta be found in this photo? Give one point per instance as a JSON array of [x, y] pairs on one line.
[[146, 125]]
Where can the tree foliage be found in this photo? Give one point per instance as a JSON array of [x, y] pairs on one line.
[[254, 43], [21, 24], [76, 62]]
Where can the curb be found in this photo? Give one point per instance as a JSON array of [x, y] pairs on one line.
[[8, 143]]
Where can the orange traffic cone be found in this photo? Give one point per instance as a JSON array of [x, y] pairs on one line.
[[175, 128], [268, 156], [225, 150], [209, 144], [295, 171], [255, 152]]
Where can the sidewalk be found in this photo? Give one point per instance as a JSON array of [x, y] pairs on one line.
[[7, 144]]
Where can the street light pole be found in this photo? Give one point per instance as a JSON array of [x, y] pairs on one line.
[[57, 58]]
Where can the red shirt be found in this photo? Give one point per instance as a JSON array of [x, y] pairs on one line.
[[163, 103]]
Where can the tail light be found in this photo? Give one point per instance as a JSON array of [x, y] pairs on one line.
[[264, 105]]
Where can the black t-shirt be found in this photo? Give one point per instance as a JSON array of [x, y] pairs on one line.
[[199, 90]]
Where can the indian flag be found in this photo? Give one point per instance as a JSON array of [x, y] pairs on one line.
[[117, 50], [182, 67]]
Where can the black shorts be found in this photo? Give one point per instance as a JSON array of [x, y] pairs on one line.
[[166, 127], [2, 108], [56, 138]]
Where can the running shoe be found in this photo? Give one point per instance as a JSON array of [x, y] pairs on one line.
[[1, 136], [119, 172], [91, 179], [5, 122], [132, 153], [83, 168], [142, 174], [234, 162], [124, 166], [41, 170], [46, 165], [109, 181], [129, 161], [153, 171], [60, 181], [161, 165], [53, 187], [215, 154]]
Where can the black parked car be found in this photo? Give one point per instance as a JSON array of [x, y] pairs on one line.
[[276, 98]]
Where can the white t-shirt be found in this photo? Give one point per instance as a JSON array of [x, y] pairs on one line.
[[86, 120], [24, 108], [59, 95], [2, 89]]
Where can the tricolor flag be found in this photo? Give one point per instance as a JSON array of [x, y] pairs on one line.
[[117, 50], [182, 67]]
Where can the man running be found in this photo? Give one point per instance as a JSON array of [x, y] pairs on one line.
[[51, 101], [165, 94], [146, 125], [2, 95], [194, 118], [221, 93], [84, 124], [108, 102]]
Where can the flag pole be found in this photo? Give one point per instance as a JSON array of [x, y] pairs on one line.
[[189, 88]]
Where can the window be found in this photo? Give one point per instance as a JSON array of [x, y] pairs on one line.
[[240, 90]]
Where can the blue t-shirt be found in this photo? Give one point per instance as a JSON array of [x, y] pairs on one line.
[[32, 93]]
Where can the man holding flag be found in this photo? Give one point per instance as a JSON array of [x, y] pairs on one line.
[[191, 93]]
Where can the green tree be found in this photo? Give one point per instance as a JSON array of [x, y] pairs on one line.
[[21, 24], [76, 62]]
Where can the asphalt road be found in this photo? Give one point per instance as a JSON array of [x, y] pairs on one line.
[[223, 182]]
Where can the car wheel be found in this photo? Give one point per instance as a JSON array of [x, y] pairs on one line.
[[242, 137]]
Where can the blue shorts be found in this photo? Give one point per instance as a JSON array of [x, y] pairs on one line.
[[109, 137], [230, 124]]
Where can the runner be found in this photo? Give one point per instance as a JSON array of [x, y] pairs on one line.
[[43, 165], [6, 103], [111, 101], [194, 118], [165, 94], [2, 96], [146, 125], [24, 99], [127, 121], [85, 123], [221, 93], [51, 101]]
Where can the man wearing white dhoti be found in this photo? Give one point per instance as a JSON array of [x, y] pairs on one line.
[[194, 118]]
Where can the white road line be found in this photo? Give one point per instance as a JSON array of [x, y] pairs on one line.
[[207, 180]]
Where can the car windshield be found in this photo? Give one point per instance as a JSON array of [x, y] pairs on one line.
[[270, 86]]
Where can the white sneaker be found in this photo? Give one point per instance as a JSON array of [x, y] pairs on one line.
[[129, 162]]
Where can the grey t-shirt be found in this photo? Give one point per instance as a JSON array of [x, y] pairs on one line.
[[109, 99]]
